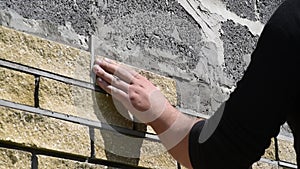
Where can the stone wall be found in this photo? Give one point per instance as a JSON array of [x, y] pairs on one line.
[[53, 116]]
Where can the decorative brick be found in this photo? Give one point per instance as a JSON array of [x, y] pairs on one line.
[[45, 162], [14, 159], [16, 86], [43, 132], [263, 165], [44, 54], [166, 85], [270, 152], [154, 155], [286, 151], [72, 100], [117, 147]]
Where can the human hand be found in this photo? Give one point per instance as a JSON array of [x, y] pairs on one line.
[[137, 94]]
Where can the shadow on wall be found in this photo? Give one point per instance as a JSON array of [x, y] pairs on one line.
[[117, 147]]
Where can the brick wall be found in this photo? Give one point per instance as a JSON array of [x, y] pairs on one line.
[[52, 116]]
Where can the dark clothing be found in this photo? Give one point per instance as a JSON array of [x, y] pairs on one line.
[[265, 98]]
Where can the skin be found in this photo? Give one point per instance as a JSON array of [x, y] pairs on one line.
[[139, 95]]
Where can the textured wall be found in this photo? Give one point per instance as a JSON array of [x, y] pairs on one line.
[[204, 46]]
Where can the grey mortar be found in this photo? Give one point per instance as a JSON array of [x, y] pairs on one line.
[[238, 43]]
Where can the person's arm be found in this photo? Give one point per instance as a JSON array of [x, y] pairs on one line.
[[148, 105]]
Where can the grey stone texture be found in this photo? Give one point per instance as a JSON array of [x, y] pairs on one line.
[[159, 36], [56, 11], [266, 8], [244, 8], [253, 10], [238, 43]]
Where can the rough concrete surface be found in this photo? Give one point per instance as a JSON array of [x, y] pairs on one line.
[[58, 11], [266, 8], [159, 36], [239, 43], [253, 10], [244, 9]]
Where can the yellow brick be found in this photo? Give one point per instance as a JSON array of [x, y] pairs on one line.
[[130, 150], [270, 152], [47, 55], [14, 159], [60, 97], [262, 165], [154, 155], [43, 132], [166, 85], [286, 151], [45, 162], [16, 86]]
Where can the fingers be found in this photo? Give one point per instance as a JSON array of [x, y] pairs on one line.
[[125, 74], [111, 79], [115, 92]]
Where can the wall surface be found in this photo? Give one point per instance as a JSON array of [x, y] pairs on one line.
[[197, 50]]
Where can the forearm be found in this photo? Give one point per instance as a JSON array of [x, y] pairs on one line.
[[173, 129]]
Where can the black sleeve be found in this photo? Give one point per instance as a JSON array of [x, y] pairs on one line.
[[194, 145], [255, 110]]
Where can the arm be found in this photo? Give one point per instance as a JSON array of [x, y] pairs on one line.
[[148, 105]]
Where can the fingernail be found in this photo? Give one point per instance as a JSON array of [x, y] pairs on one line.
[[99, 79], [96, 68], [107, 60], [98, 61]]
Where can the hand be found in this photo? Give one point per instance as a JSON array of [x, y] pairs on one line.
[[135, 92]]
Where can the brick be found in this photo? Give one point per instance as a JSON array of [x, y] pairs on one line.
[[42, 132], [130, 150], [14, 159], [263, 165], [45, 162], [166, 85], [16, 86], [43, 54], [154, 155], [270, 152], [60, 97], [286, 151]]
